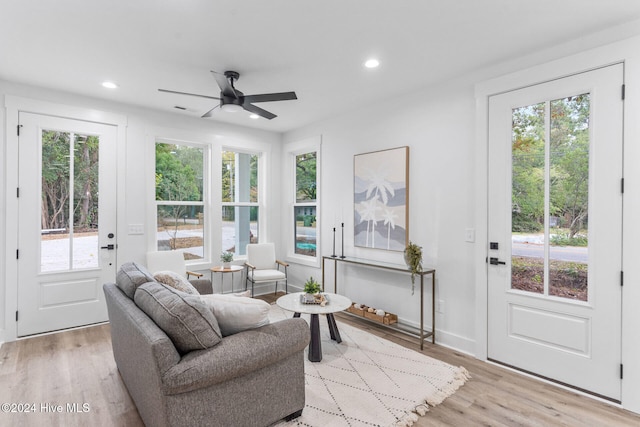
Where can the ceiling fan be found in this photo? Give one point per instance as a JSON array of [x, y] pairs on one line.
[[232, 100]]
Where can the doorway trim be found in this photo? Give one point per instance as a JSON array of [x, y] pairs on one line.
[[625, 52], [13, 105]]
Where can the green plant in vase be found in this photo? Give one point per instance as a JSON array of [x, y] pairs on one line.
[[413, 258], [311, 286], [226, 258]]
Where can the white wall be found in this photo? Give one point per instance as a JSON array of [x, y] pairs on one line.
[[445, 128], [135, 172], [441, 167]]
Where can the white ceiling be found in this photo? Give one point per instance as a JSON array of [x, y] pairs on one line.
[[315, 48]]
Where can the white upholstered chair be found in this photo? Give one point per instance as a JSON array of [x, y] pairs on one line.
[[263, 267], [174, 261]]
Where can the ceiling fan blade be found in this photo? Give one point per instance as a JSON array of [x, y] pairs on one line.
[[225, 86], [268, 97], [210, 112], [187, 93], [259, 111]]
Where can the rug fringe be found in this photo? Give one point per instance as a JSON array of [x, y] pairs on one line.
[[460, 378]]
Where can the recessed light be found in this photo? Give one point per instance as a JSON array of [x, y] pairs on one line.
[[254, 116], [372, 63], [109, 85]]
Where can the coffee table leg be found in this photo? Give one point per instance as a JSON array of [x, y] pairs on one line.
[[333, 328], [315, 348]]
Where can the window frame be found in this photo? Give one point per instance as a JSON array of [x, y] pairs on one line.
[[294, 150], [260, 188], [205, 202]]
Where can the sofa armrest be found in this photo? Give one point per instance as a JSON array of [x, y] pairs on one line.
[[237, 355]]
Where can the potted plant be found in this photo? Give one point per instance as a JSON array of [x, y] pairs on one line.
[[312, 287], [413, 258], [226, 258]]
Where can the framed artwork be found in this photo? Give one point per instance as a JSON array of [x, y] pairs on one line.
[[381, 199]]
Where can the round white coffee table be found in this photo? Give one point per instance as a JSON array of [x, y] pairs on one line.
[[292, 302]]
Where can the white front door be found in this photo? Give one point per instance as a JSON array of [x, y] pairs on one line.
[[555, 230], [67, 222]]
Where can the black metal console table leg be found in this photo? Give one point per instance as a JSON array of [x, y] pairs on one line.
[[315, 347], [333, 328]]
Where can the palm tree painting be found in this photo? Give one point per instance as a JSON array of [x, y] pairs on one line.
[[381, 199]]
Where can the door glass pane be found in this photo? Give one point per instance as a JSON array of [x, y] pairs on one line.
[[85, 202], [569, 196], [69, 226], [181, 227], [527, 198]]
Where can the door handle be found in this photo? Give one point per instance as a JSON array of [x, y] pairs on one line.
[[496, 261], [108, 247]]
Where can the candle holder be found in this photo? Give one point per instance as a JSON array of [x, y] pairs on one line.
[[342, 252], [334, 244]]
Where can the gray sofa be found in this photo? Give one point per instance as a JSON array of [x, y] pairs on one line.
[[252, 378]]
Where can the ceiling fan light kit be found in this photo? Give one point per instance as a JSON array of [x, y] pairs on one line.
[[232, 100]]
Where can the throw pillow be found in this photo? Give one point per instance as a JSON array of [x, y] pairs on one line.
[[236, 314], [130, 276], [188, 322], [175, 281]]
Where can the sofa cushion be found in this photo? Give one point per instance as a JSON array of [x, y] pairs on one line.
[[188, 322], [237, 313], [130, 276], [176, 281]]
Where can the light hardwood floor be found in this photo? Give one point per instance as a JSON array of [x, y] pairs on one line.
[[77, 366]]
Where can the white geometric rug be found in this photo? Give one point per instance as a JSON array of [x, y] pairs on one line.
[[369, 381]]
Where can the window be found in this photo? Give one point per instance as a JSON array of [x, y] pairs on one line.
[[179, 199], [240, 201], [305, 205]]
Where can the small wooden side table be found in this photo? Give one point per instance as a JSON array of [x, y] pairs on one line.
[[222, 270]]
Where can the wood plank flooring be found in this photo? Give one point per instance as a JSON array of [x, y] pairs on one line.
[[77, 367]]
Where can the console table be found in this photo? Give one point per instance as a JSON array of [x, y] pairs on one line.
[[406, 329]]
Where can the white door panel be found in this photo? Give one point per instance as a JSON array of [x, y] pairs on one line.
[[555, 308], [66, 222]]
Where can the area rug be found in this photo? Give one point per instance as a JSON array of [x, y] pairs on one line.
[[370, 381]]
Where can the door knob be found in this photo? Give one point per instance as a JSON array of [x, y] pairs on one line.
[[496, 261], [108, 247]]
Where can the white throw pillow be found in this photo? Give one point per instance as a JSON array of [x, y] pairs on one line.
[[236, 314], [175, 281]]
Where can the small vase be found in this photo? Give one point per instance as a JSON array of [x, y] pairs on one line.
[[226, 265]]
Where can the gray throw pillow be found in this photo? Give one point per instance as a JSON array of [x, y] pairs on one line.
[[130, 276], [187, 321]]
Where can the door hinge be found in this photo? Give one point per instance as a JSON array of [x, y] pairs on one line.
[[16, 315], [17, 253], [17, 191], [18, 129], [621, 370], [622, 185], [624, 91], [622, 278]]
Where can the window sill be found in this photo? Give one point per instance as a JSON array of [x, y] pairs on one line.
[[304, 260]]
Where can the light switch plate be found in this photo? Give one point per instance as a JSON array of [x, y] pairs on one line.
[[136, 229], [470, 235]]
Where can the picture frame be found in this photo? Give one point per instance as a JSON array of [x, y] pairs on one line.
[[381, 199]]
